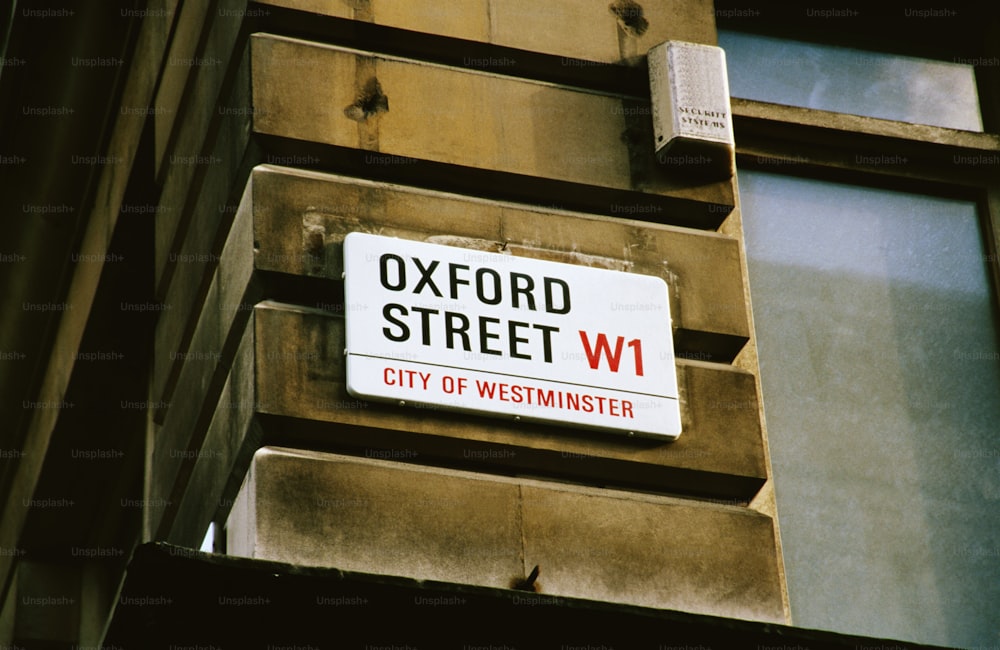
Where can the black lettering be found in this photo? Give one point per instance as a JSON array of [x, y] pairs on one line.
[[425, 277], [454, 280], [484, 335], [547, 339], [425, 323], [451, 330], [517, 288], [383, 268], [514, 339], [550, 303], [495, 300], [404, 331]]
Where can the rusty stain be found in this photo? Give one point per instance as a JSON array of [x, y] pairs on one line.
[[371, 101], [630, 17]]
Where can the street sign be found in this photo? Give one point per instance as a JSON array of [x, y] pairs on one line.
[[489, 333]]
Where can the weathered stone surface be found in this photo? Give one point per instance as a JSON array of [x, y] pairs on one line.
[[180, 414], [584, 29], [652, 551], [376, 516], [702, 268], [300, 372], [407, 109], [182, 130], [210, 466], [379, 516], [186, 268], [183, 47]]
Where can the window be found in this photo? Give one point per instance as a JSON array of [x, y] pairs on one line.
[[848, 80], [872, 255], [881, 382]]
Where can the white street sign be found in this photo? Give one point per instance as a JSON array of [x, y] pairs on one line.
[[505, 336]]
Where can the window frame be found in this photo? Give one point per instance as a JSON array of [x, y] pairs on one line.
[[962, 36], [876, 152], [873, 152]]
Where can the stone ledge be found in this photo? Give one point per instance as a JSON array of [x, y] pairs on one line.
[[450, 124], [720, 454], [380, 516]]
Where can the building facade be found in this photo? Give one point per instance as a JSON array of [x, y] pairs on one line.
[[180, 177]]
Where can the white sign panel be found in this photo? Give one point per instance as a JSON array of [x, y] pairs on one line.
[[488, 333]]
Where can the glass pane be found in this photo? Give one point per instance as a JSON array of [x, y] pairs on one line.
[[881, 387], [888, 86]]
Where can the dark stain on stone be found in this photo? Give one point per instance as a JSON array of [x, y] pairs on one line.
[[371, 101], [630, 136], [362, 9], [630, 17], [635, 137], [315, 243]]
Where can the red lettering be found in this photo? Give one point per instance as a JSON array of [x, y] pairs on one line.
[[636, 346], [486, 388], [602, 347]]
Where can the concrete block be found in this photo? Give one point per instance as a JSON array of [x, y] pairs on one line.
[[207, 469], [379, 516], [363, 514], [181, 411], [653, 552], [183, 47], [483, 122], [702, 268], [187, 128], [300, 372], [187, 268], [585, 30], [469, 20], [592, 30], [288, 200]]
